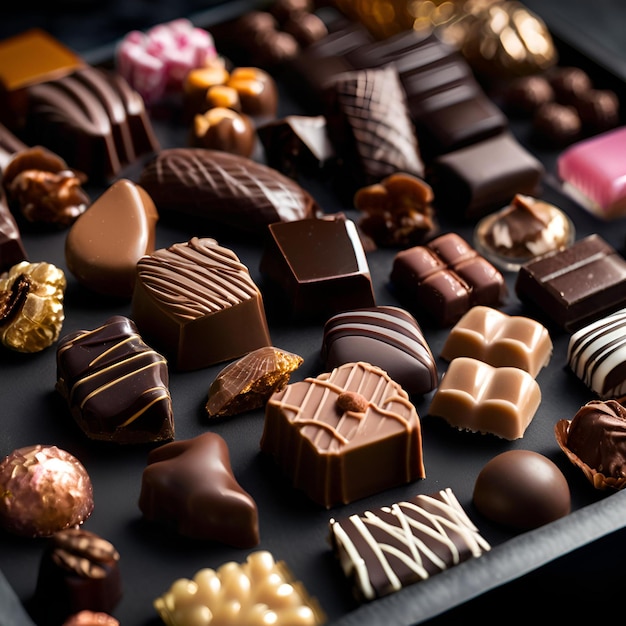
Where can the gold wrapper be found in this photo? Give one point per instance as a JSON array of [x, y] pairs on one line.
[[31, 306]]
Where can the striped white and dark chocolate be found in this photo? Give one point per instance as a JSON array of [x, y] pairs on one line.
[[383, 550]]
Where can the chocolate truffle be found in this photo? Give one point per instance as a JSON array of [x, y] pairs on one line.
[[524, 95], [115, 385], [199, 302], [44, 489], [220, 128], [522, 490], [555, 124], [323, 432], [385, 549], [79, 570], [598, 110], [189, 485], [104, 244], [569, 83], [386, 336]]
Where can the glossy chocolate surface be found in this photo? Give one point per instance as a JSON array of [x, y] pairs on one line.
[[115, 385], [12, 249], [189, 485]]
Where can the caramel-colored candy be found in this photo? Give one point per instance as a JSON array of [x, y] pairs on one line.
[[499, 339], [476, 396], [221, 128]]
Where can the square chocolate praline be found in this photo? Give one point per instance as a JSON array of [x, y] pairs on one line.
[[318, 265]]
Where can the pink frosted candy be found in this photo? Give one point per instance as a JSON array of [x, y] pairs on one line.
[[593, 171]]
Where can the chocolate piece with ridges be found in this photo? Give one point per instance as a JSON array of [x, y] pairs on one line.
[[326, 450], [388, 337], [199, 302], [224, 188], [385, 549], [574, 286], [115, 385], [190, 485]]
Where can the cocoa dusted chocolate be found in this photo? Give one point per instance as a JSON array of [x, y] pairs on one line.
[[189, 485], [198, 301], [317, 431], [317, 266], [78, 571], [115, 385], [386, 336], [224, 188], [522, 490], [385, 549]]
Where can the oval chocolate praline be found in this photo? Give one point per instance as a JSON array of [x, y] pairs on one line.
[[522, 489]]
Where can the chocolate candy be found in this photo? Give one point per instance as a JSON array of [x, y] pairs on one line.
[[262, 590], [555, 124], [91, 618], [224, 129], [385, 549], [596, 353], [104, 244], [190, 485], [50, 491], [12, 249], [388, 337], [79, 570], [524, 95], [471, 181], [370, 127], [115, 385], [574, 286], [522, 490], [31, 306], [316, 431], [199, 302], [318, 265], [593, 441], [224, 188], [479, 397], [502, 340], [445, 278], [258, 93], [9, 143], [247, 383]]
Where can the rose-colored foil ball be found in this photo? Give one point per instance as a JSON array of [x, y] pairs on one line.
[[43, 489]]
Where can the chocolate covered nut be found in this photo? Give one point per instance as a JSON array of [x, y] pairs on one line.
[[388, 337], [247, 383], [224, 188], [445, 278], [524, 95], [263, 591], [599, 110], [44, 489], [104, 244], [78, 571], [12, 249], [478, 397], [224, 129], [318, 266], [556, 124], [572, 287], [521, 489], [190, 486], [569, 83], [385, 549], [593, 441], [502, 340], [320, 446], [31, 306], [115, 385], [199, 302]]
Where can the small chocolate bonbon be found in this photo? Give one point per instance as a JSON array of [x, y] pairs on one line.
[[12, 249], [317, 434], [220, 128], [45, 489], [522, 490], [189, 485], [115, 385], [383, 550], [481, 398]]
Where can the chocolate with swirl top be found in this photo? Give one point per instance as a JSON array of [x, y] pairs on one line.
[[199, 302], [224, 188], [324, 432], [115, 385], [385, 549]]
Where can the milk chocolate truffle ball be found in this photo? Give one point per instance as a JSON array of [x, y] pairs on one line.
[[522, 490], [43, 489]]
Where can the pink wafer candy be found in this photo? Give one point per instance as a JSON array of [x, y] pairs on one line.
[[593, 171]]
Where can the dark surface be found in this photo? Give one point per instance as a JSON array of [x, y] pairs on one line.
[[555, 576]]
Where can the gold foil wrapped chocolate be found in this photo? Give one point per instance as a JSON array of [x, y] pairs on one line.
[[31, 306]]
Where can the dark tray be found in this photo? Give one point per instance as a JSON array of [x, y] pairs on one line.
[[291, 527]]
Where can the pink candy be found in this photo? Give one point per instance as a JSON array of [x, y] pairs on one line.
[[156, 62]]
